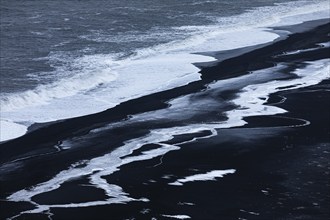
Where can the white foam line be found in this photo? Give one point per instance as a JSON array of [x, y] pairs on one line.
[[251, 100], [213, 133], [29, 157], [184, 108], [297, 51], [186, 203], [60, 89], [252, 213], [177, 216], [212, 175], [305, 122], [94, 79], [253, 97], [95, 169], [279, 102]]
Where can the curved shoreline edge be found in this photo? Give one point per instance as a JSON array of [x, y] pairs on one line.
[[225, 60], [42, 140], [243, 62]]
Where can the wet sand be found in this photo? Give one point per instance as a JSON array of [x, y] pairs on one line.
[[281, 162]]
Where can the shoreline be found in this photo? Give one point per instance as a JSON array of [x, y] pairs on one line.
[[123, 110], [220, 56], [38, 145]]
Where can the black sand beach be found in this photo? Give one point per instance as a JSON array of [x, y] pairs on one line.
[[281, 162]]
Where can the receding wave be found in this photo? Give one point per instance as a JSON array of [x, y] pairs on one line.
[[92, 77], [105, 80], [251, 100]]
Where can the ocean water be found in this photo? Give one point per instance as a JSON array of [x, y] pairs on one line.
[[63, 59]]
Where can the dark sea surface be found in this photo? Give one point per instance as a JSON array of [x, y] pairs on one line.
[[164, 109], [40, 37]]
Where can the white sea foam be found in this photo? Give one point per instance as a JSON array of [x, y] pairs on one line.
[[212, 175], [94, 83], [251, 99], [96, 169], [177, 216], [50, 103], [9, 130], [92, 77], [325, 44]]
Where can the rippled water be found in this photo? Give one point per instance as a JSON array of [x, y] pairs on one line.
[[56, 53]]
